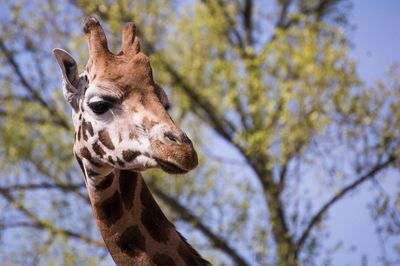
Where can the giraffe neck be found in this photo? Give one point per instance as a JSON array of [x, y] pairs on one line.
[[134, 228]]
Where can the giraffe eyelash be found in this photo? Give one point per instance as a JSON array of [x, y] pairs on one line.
[[100, 107]]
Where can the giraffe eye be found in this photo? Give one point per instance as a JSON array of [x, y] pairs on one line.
[[100, 107]]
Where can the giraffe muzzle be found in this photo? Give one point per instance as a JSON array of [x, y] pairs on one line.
[[175, 154]]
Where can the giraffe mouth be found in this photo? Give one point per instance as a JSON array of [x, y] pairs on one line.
[[169, 167]]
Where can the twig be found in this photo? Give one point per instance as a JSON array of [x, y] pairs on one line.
[[316, 218], [17, 70], [45, 225]]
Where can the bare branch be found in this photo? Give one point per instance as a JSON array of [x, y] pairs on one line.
[[319, 10], [317, 217], [283, 13], [248, 22], [35, 94], [4, 226], [58, 181], [64, 187], [34, 120], [15, 97], [282, 175], [238, 42], [45, 225]]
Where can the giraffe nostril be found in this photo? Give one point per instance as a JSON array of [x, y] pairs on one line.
[[178, 139], [185, 139], [171, 136]]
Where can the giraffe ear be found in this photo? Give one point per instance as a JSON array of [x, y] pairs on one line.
[[71, 80]]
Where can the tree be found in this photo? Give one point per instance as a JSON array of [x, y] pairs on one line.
[[274, 88]]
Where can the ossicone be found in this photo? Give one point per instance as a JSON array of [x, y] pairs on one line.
[[97, 41], [130, 42]]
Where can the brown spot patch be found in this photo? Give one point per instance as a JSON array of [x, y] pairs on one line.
[[132, 135], [86, 127], [153, 218], [91, 172], [127, 185], [89, 128], [163, 260], [130, 155], [104, 138], [85, 137], [98, 149], [120, 162], [105, 183], [85, 153], [142, 99], [110, 210], [79, 133], [132, 242], [110, 159]]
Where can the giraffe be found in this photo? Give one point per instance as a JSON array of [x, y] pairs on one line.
[[122, 128]]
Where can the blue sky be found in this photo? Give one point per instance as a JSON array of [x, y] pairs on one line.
[[376, 36], [376, 41]]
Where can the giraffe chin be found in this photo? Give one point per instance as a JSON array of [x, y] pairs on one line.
[[170, 168]]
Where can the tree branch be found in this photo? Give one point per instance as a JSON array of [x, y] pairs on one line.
[[283, 13], [45, 225], [34, 120], [317, 217], [13, 63], [239, 43], [220, 124], [16, 97], [319, 9], [64, 187], [3, 226], [282, 175], [54, 177], [248, 22]]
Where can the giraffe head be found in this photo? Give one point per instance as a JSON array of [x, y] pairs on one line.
[[119, 112]]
